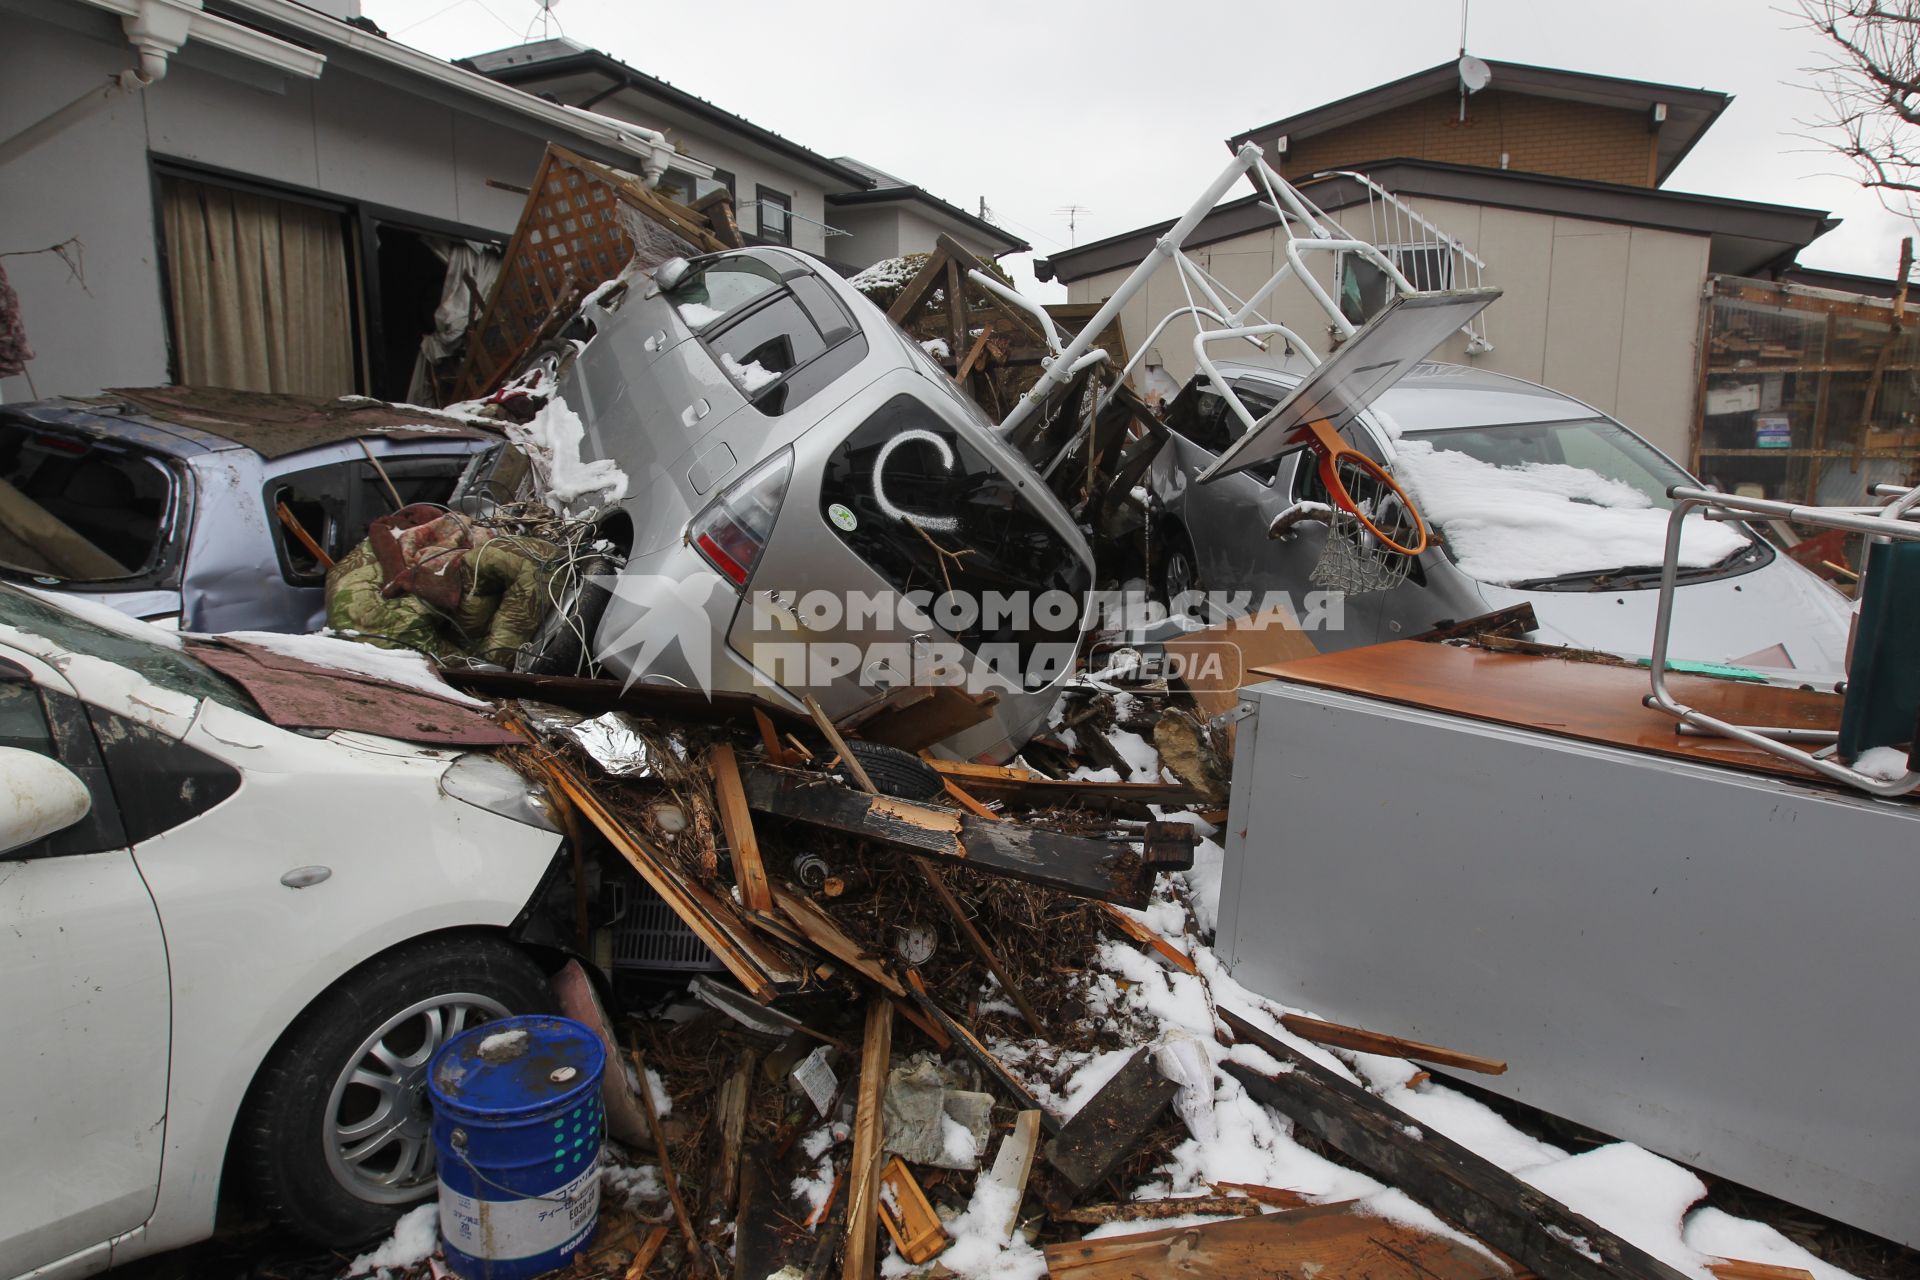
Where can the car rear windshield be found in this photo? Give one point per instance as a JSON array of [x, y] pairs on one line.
[[77, 509], [126, 642], [931, 513], [781, 340]]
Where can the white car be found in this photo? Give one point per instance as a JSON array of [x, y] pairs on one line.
[[230, 948]]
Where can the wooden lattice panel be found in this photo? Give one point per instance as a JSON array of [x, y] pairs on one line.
[[582, 224]]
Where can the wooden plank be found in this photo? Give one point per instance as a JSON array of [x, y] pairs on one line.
[[1087, 868], [908, 1217], [1275, 1197], [1466, 1190], [648, 1251], [997, 782], [819, 929], [973, 355], [1320, 1241], [1585, 701], [863, 1172], [769, 738], [754, 966], [1112, 1124], [729, 1136], [1094, 1215], [736, 821], [666, 1165], [1340, 1037], [62, 549], [960, 796], [1013, 1164], [1140, 933], [824, 723], [1734, 1269]]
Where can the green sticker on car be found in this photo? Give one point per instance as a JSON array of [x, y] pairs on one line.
[[842, 515]]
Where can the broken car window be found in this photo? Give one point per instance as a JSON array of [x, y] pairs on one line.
[[78, 509], [786, 348], [929, 513]]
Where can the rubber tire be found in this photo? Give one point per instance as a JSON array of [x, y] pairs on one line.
[[1174, 538], [565, 654], [279, 1155], [896, 772]]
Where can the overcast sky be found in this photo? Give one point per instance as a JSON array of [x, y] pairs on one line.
[[1122, 107]]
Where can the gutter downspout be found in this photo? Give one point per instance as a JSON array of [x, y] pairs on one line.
[[156, 32]]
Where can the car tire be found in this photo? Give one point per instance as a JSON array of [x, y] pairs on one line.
[[1179, 569], [291, 1152], [896, 772], [566, 646]]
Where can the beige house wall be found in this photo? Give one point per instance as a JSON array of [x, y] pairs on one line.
[[1603, 312]]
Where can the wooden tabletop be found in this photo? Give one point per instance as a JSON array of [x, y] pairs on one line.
[[1590, 701]]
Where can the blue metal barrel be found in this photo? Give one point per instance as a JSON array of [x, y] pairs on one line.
[[518, 1126]]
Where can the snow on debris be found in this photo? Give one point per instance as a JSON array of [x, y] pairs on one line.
[[889, 273], [552, 441], [1642, 1197], [937, 348], [501, 1041], [1541, 520], [414, 1239], [395, 666]]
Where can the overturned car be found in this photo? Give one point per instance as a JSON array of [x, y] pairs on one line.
[[786, 495]]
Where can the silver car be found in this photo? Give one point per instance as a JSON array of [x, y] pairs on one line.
[[1751, 606], [811, 505]]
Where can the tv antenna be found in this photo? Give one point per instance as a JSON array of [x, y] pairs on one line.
[[546, 19], [1474, 74], [1072, 214]]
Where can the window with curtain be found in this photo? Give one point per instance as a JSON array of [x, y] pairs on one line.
[[259, 291]]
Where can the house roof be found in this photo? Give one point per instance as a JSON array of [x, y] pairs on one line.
[[1747, 237], [546, 59], [887, 189], [1690, 112]]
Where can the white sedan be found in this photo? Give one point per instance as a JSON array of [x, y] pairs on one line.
[[229, 948]]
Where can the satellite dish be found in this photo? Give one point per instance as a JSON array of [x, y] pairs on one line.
[[549, 4], [1474, 73]]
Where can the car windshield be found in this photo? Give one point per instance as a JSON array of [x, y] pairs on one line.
[[99, 632], [79, 510], [1558, 504]]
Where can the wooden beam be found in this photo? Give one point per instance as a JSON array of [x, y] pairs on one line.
[[1094, 1215], [729, 1135], [988, 956], [819, 929], [1734, 1269], [824, 723], [753, 964], [1465, 1189], [666, 1165], [1013, 1165], [1112, 1124], [1332, 1033], [736, 820], [648, 1251], [863, 1173], [1140, 933], [1087, 868], [1323, 1240], [908, 1217]]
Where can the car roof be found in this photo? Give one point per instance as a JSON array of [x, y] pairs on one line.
[[1436, 396], [185, 422]]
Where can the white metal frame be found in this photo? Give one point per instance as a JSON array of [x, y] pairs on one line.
[[1898, 521], [1397, 226], [1308, 229]]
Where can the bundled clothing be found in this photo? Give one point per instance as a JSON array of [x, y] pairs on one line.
[[432, 580]]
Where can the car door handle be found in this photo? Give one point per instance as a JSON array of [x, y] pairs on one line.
[[655, 342], [694, 412]]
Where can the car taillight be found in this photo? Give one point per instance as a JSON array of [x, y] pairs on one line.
[[732, 530]]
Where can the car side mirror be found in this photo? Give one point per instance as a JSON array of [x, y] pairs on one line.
[[38, 796], [1297, 514], [670, 274]]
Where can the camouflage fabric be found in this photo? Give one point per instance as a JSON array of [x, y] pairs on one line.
[[503, 599]]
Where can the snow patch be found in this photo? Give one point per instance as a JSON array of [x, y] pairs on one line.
[[552, 441], [1542, 520], [414, 1239], [107, 618], [1884, 763], [751, 376], [395, 666]]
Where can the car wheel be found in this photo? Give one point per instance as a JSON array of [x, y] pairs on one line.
[[1179, 573], [895, 772], [565, 644], [334, 1141]]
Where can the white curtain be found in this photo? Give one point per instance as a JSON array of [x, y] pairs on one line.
[[259, 291]]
